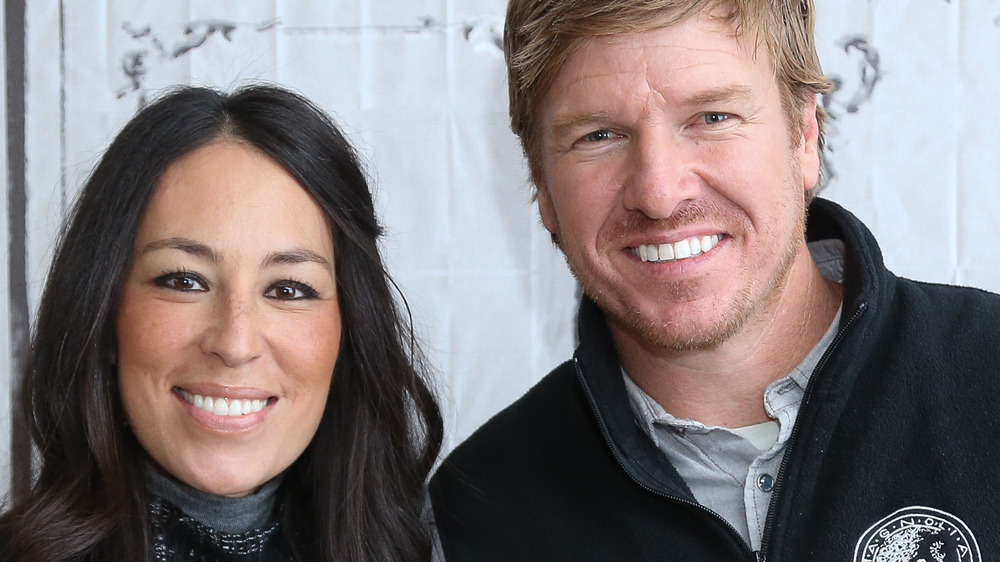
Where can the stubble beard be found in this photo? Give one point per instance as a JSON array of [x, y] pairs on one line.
[[651, 332], [749, 301]]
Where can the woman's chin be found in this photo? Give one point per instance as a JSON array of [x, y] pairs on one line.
[[224, 483], [227, 489]]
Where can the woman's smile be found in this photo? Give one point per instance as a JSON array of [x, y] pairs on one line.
[[223, 406]]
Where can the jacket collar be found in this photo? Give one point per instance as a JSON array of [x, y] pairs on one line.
[[865, 278], [600, 374]]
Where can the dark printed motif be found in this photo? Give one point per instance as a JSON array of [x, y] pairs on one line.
[[918, 534], [153, 49], [177, 537], [134, 62], [849, 92]]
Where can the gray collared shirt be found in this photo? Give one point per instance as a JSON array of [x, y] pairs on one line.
[[732, 472]]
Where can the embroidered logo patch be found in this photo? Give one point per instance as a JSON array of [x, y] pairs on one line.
[[918, 534]]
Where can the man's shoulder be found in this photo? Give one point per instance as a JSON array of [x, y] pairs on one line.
[[961, 292], [943, 322], [525, 448], [942, 303], [528, 422]]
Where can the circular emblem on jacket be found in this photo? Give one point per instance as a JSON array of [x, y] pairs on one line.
[[918, 534]]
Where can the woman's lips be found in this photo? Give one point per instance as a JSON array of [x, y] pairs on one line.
[[223, 406], [226, 410]]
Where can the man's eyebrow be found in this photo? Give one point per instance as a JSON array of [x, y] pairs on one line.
[[298, 255], [715, 95], [185, 245], [563, 126]]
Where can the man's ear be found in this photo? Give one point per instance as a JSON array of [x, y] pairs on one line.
[[545, 208], [809, 157]]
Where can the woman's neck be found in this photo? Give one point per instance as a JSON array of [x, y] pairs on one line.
[[224, 514]]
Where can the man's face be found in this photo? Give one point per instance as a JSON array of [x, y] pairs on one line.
[[673, 183]]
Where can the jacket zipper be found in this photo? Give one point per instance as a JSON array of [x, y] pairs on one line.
[[768, 522], [621, 463]]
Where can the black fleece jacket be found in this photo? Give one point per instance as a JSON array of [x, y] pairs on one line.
[[895, 455]]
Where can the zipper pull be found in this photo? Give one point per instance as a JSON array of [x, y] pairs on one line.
[[760, 556]]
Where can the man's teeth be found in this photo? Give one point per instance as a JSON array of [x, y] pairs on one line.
[[683, 249], [224, 406]]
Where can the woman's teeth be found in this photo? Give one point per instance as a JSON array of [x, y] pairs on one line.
[[224, 406], [680, 250]]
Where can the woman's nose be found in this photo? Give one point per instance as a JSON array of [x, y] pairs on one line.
[[234, 332]]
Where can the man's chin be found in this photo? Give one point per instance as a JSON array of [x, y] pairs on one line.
[[682, 334], [689, 340]]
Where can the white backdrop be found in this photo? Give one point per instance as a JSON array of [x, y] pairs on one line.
[[419, 87]]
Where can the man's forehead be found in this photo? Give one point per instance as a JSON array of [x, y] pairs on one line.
[[667, 52], [715, 17]]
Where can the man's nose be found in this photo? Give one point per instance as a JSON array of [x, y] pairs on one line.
[[660, 177], [234, 333]]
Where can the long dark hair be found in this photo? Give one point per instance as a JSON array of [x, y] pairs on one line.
[[356, 491]]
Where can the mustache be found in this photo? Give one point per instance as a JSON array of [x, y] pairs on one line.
[[695, 212]]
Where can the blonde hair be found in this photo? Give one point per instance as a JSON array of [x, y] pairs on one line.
[[540, 35]]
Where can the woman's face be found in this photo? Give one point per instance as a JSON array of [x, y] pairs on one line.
[[228, 326]]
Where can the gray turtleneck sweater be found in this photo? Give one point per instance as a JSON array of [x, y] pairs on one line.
[[192, 526]]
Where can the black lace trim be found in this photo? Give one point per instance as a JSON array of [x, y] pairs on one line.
[[179, 538]]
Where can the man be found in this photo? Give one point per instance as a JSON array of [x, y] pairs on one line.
[[747, 386]]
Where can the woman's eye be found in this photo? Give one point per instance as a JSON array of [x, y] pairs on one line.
[[715, 118], [291, 291], [184, 282]]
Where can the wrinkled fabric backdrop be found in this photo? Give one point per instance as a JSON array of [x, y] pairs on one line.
[[419, 87]]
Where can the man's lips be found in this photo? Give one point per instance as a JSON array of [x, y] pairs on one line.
[[680, 250]]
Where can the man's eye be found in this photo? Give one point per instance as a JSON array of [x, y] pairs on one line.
[[599, 136], [291, 291], [180, 281], [715, 118]]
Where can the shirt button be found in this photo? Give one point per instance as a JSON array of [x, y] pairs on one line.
[[765, 482]]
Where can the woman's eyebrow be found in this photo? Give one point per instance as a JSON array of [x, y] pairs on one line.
[[291, 257], [185, 245], [197, 249]]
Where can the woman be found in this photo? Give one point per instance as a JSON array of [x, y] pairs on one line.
[[219, 369]]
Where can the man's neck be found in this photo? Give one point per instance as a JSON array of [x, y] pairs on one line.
[[724, 385]]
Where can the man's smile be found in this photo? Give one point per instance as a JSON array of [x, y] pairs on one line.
[[680, 250]]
